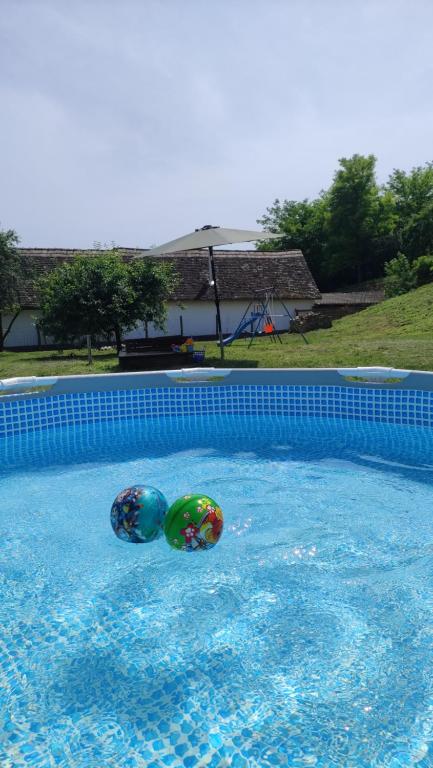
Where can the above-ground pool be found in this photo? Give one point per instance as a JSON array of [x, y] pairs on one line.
[[304, 638]]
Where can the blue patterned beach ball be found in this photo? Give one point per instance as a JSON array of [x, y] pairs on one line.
[[138, 513]]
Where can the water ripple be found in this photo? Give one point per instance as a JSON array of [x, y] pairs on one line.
[[304, 638]]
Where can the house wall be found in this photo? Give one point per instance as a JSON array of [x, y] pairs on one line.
[[23, 332], [199, 319]]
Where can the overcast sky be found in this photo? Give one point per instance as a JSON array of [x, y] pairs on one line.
[[137, 121]]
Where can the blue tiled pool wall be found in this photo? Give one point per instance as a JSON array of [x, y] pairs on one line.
[[393, 406]]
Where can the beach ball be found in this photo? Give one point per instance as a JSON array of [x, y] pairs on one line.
[[193, 523], [138, 513]]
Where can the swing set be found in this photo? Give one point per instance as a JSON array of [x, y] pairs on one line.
[[259, 317]]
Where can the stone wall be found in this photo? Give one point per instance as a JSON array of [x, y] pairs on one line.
[[310, 321]]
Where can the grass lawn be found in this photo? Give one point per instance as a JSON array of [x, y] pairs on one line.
[[398, 332], [67, 363]]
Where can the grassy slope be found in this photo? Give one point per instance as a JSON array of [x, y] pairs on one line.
[[398, 332], [405, 316]]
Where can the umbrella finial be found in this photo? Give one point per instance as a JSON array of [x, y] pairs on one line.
[[207, 226]]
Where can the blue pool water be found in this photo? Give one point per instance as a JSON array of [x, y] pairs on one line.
[[305, 638]]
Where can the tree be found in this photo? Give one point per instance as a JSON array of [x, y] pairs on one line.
[[102, 295], [347, 233], [413, 200], [399, 276], [354, 219], [304, 226], [12, 271]]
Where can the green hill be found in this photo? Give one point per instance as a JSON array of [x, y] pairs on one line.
[[396, 333], [408, 315]]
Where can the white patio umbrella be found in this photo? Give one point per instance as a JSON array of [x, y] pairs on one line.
[[208, 237]]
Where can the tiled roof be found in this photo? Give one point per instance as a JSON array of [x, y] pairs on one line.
[[352, 297], [239, 273]]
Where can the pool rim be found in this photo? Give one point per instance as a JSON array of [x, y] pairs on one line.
[[408, 379], [398, 397]]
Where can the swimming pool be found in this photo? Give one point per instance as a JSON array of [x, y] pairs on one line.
[[304, 638]]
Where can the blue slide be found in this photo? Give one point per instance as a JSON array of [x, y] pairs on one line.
[[237, 332]]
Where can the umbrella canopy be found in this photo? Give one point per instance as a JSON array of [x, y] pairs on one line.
[[210, 236]]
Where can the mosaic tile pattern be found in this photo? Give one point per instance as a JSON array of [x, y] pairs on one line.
[[393, 406], [303, 639]]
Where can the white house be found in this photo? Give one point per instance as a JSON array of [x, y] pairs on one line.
[[191, 309]]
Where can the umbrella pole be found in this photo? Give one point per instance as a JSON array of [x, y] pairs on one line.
[[217, 302]]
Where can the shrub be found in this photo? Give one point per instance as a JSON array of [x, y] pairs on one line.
[[399, 276], [422, 268]]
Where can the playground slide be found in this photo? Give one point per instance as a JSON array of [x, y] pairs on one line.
[[237, 332]]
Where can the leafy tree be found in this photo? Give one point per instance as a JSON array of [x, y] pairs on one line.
[[12, 271], [399, 276], [347, 233], [304, 226], [102, 295], [354, 222], [413, 200]]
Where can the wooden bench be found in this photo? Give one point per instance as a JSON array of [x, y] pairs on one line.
[[153, 355]]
